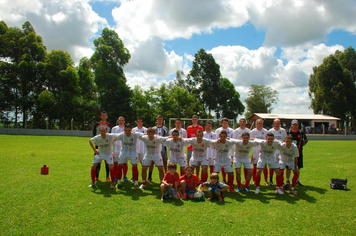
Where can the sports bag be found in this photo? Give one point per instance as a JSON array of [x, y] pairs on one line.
[[338, 184]]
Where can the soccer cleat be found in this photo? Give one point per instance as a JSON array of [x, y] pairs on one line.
[[247, 190], [292, 191], [271, 183], [238, 190], [162, 198], [149, 180], [266, 183], [257, 191], [142, 186], [108, 179], [91, 185], [125, 179], [112, 186], [132, 180], [118, 185], [280, 191], [299, 183], [232, 190], [184, 196]]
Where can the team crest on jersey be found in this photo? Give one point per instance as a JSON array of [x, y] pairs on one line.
[[263, 133]]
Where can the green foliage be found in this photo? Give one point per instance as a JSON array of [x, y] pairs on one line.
[[260, 99], [229, 100], [61, 204]]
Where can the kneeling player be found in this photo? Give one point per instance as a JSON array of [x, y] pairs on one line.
[[188, 182]]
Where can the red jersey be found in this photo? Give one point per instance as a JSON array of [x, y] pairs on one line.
[[191, 130], [192, 182], [171, 179]]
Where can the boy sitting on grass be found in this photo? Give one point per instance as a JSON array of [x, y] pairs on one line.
[[214, 187], [169, 184], [188, 182]]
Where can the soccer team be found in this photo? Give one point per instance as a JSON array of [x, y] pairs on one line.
[[274, 148]]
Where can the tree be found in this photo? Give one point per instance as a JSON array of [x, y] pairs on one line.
[[260, 99], [204, 80], [108, 60]]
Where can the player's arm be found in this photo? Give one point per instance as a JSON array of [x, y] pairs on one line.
[[93, 147]]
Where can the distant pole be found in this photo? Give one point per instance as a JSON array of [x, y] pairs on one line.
[[71, 123]]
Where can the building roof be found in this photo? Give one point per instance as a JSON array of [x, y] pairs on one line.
[[294, 116]]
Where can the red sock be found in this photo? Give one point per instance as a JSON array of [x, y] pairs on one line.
[[238, 183], [223, 174], [247, 183], [231, 181], [112, 175], [282, 176], [135, 172], [279, 180], [204, 178], [211, 169], [125, 168], [295, 179], [265, 174], [119, 171], [254, 173], [271, 171], [245, 173], [258, 180], [116, 171], [93, 175]]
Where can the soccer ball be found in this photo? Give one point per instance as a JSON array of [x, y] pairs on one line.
[[199, 196]]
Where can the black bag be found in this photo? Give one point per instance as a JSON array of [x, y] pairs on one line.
[[338, 184]]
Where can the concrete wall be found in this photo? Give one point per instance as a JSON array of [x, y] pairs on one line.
[[330, 137], [46, 132]]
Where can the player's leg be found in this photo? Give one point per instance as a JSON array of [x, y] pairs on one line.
[[150, 171], [107, 171], [97, 171], [248, 168], [237, 163], [93, 174], [230, 173], [122, 165], [265, 174], [163, 191], [183, 186], [279, 177], [204, 173], [189, 155], [145, 165]]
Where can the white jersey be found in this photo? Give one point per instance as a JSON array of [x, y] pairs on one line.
[[153, 147], [105, 145], [280, 135], [267, 152], [259, 134], [243, 151], [230, 133], [128, 144], [117, 144], [182, 132], [288, 154], [210, 151], [238, 132], [140, 146], [199, 149], [176, 149], [222, 150]]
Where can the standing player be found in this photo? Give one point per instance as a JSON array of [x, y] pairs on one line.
[[176, 146], [229, 132], [97, 126], [191, 130], [160, 130], [103, 151], [299, 139], [222, 157], [260, 133], [178, 127], [267, 156], [141, 147], [153, 154], [289, 160], [210, 152], [280, 134], [199, 157], [128, 151], [117, 146], [238, 135], [242, 156]]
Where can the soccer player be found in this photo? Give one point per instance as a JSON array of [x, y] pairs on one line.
[[299, 139], [117, 146], [169, 184], [279, 134], [199, 157], [210, 152], [267, 156], [128, 152], [97, 126], [238, 135], [188, 182], [178, 127], [141, 147], [214, 187], [289, 160], [229, 132], [222, 157], [258, 133], [103, 151], [191, 130], [242, 156], [160, 130], [176, 146], [153, 154]]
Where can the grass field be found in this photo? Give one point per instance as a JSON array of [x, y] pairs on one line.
[[61, 203]]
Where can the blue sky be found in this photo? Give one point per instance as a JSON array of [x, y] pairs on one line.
[[276, 43]]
